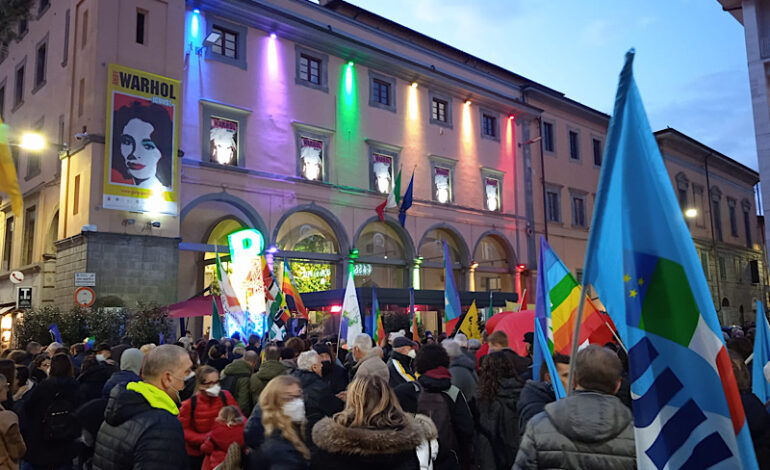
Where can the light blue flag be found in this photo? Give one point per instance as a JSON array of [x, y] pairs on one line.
[[542, 345], [759, 384], [642, 262]]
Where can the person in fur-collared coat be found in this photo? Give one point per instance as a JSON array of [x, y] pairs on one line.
[[373, 433]]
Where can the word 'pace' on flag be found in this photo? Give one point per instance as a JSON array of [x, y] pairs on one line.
[[642, 262]]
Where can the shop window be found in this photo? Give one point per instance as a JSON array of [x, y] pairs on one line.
[[493, 271], [311, 245], [383, 257], [218, 237]]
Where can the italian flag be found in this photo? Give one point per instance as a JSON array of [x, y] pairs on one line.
[[393, 200]]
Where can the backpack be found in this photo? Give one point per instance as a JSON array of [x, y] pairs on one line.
[[59, 421], [440, 408], [230, 382]]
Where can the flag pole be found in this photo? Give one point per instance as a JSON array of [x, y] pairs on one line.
[[523, 298], [576, 338], [616, 337]]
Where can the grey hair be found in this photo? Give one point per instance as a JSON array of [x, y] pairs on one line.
[[461, 339], [452, 347], [163, 358], [307, 360], [364, 342]]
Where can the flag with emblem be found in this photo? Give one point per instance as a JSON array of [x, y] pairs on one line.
[[642, 262], [278, 317], [350, 320], [290, 291]]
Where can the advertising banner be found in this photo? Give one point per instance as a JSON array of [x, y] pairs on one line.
[[141, 171]]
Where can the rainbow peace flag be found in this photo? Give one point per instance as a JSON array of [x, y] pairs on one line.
[[378, 329], [290, 290]]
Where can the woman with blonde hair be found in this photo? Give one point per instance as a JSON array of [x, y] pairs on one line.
[[283, 419], [373, 432]]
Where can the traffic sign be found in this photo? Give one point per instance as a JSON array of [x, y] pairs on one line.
[[16, 277], [85, 279], [84, 296], [24, 297]]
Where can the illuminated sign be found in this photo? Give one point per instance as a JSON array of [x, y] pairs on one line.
[[246, 278]]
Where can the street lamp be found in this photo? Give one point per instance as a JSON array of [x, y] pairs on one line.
[[32, 141], [691, 213]]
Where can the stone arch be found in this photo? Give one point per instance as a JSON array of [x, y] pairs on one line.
[[512, 258], [254, 219], [465, 255], [324, 213], [411, 252]]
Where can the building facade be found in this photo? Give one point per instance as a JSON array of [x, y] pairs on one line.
[[294, 118]]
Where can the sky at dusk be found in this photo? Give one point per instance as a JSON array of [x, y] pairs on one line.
[[690, 60]]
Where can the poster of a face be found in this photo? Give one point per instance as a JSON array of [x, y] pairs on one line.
[[140, 170], [382, 169], [223, 135], [311, 156], [492, 194], [441, 182]]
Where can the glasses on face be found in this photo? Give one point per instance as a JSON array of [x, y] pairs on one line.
[[293, 396], [210, 383]]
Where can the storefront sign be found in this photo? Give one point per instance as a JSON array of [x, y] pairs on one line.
[[141, 171]]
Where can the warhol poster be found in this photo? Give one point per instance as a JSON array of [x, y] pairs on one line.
[[223, 137], [141, 172]]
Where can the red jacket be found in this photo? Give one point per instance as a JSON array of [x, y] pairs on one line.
[[219, 440], [196, 429]]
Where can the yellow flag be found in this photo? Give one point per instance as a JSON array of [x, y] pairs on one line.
[[510, 306], [470, 324], [8, 182]]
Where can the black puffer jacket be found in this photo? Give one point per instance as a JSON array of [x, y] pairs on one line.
[[534, 396], [136, 435], [584, 430], [341, 447], [319, 399], [32, 410], [276, 453], [497, 439], [92, 381]]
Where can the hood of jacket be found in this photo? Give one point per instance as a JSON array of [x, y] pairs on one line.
[[237, 367], [510, 387], [135, 398], [589, 417], [98, 373], [270, 369], [436, 380], [538, 391], [338, 439], [463, 360]]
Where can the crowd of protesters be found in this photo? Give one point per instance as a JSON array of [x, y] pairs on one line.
[[311, 403]]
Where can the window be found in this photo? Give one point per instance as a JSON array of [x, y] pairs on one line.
[[700, 219], [489, 125], [553, 204], [310, 69], [40, 64], [441, 176], [84, 30], [18, 97], [492, 194], [382, 166], [682, 186], [81, 96], [227, 44], [733, 217], [2, 101], [222, 139], [29, 236], [382, 91], [747, 227], [23, 28], [597, 152], [76, 196], [440, 108], [754, 268], [683, 199], [716, 213], [574, 147], [33, 158], [3, 51], [312, 148], [578, 210], [44, 4], [7, 243], [65, 53], [141, 18], [704, 261], [548, 136], [722, 269]]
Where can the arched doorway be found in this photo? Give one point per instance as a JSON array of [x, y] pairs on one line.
[[492, 267], [313, 250], [431, 253], [218, 237], [385, 255]]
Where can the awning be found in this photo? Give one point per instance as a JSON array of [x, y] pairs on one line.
[[4, 310], [197, 306], [401, 297]]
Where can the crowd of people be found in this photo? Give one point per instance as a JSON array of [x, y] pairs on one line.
[[312, 403]]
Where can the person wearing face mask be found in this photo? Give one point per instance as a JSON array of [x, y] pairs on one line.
[[141, 429], [199, 412], [400, 362], [319, 399], [94, 373], [283, 419], [331, 372]]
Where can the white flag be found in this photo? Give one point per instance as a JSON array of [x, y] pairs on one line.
[[350, 322]]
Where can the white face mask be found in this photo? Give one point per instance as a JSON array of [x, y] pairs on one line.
[[189, 376], [100, 357], [214, 390], [412, 354], [295, 410]]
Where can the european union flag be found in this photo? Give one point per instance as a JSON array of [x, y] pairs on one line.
[[642, 262]]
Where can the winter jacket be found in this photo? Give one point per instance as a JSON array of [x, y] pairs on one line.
[[32, 412], [463, 370], [241, 370], [758, 420], [439, 381], [370, 449], [196, 428], [319, 400], [92, 381], [140, 431], [400, 369], [497, 439], [372, 364], [121, 377], [254, 433], [276, 453], [337, 378], [12, 446], [290, 364], [532, 400], [219, 364], [584, 430], [216, 444], [267, 371]]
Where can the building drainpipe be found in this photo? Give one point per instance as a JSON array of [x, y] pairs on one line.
[[713, 236], [542, 167]]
